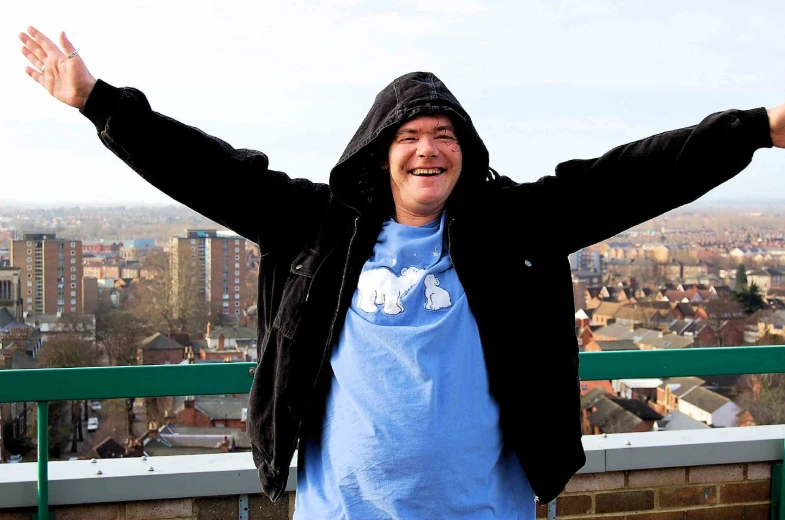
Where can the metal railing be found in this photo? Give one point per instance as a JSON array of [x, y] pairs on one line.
[[59, 384]]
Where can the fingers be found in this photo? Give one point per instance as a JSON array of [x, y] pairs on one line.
[[66, 44], [46, 44], [37, 76], [32, 58], [33, 46]]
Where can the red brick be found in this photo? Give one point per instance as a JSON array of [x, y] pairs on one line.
[[659, 515], [623, 501], [745, 492], [717, 513], [573, 505], [756, 512], [687, 496]]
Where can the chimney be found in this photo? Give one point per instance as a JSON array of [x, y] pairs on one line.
[[190, 355], [189, 401], [152, 430], [8, 360], [209, 328], [221, 341]]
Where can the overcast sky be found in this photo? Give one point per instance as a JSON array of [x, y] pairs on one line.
[[544, 81]]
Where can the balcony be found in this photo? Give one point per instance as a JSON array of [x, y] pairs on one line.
[[723, 473]]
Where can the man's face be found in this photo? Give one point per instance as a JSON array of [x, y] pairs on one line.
[[425, 162]]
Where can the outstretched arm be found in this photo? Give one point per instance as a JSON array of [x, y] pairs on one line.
[[648, 177], [187, 164]]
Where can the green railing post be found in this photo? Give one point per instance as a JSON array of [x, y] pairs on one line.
[[43, 460]]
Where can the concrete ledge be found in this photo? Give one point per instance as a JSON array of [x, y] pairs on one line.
[[128, 480]]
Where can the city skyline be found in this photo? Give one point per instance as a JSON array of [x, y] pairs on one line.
[[544, 81]]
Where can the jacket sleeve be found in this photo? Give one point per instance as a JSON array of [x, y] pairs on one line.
[[197, 169], [674, 168]]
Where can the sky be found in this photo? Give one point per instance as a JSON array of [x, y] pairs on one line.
[[544, 81]]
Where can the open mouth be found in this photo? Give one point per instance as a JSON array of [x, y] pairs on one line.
[[427, 172]]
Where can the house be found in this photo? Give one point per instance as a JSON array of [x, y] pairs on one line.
[[237, 343], [603, 412], [228, 410], [677, 420], [107, 449], [709, 407], [159, 350]]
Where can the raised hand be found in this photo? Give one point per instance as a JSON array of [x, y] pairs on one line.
[[62, 73], [777, 125]]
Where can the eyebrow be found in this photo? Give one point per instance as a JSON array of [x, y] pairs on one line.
[[439, 128]]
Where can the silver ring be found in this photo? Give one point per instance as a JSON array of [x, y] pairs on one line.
[[43, 67], [75, 53]]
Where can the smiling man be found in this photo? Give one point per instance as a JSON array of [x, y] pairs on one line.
[[392, 349], [424, 163]]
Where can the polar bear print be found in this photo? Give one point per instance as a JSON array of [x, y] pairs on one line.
[[435, 297], [381, 287]]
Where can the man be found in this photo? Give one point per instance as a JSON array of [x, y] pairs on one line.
[[390, 299]]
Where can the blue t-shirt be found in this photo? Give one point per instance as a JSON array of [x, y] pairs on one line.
[[411, 430]]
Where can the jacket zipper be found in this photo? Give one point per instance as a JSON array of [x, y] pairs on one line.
[[332, 327]]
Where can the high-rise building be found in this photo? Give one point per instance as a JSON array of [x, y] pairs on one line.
[[50, 273], [211, 267]]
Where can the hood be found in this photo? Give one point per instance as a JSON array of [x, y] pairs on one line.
[[413, 94]]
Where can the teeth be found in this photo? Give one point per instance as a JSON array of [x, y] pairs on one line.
[[429, 171]]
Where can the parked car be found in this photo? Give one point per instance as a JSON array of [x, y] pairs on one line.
[[92, 424], [15, 459], [95, 405]]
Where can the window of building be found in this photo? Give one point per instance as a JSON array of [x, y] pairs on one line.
[[61, 309], [29, 275], [236, 257], [29, 300], [73, 293], [73, 253], [236, 280], [226, 311], [225, 304], [60, 302], [236, 296], [73, 277], [29, 284], [73, 302], [29, 259], [236, 287], [236, 249], [237, 273], [29, 267], [73, 286], [29, 251], [237, 311], [29, 244], [73, 260], [236, 304], [29, 291], [73, 269], [236, 241], [236, 266], [73, 244], [193, 240]]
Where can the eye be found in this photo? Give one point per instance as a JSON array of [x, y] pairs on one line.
[[445, 137], [406, 140]]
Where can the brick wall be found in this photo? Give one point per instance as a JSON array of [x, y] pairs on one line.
[[726, 492], [201, 508]]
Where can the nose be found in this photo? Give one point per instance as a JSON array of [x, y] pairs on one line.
[[426, 147]]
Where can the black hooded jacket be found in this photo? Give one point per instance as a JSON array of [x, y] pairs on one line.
[[315, 238]]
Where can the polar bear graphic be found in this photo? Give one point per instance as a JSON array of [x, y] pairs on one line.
[[435, 297], [381, 287]]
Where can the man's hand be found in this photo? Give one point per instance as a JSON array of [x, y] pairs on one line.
[[777, 125], [65, 78]]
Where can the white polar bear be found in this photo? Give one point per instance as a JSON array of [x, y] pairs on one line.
[[381, 287], [435, 297]]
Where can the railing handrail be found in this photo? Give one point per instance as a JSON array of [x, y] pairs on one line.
[[57, 384]]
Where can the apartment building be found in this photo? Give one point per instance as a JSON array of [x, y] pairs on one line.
[[215, 264], [50, 273]]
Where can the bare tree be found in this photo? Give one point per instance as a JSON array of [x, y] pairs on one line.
[[168, 298], [763, 395], [69, 350]]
